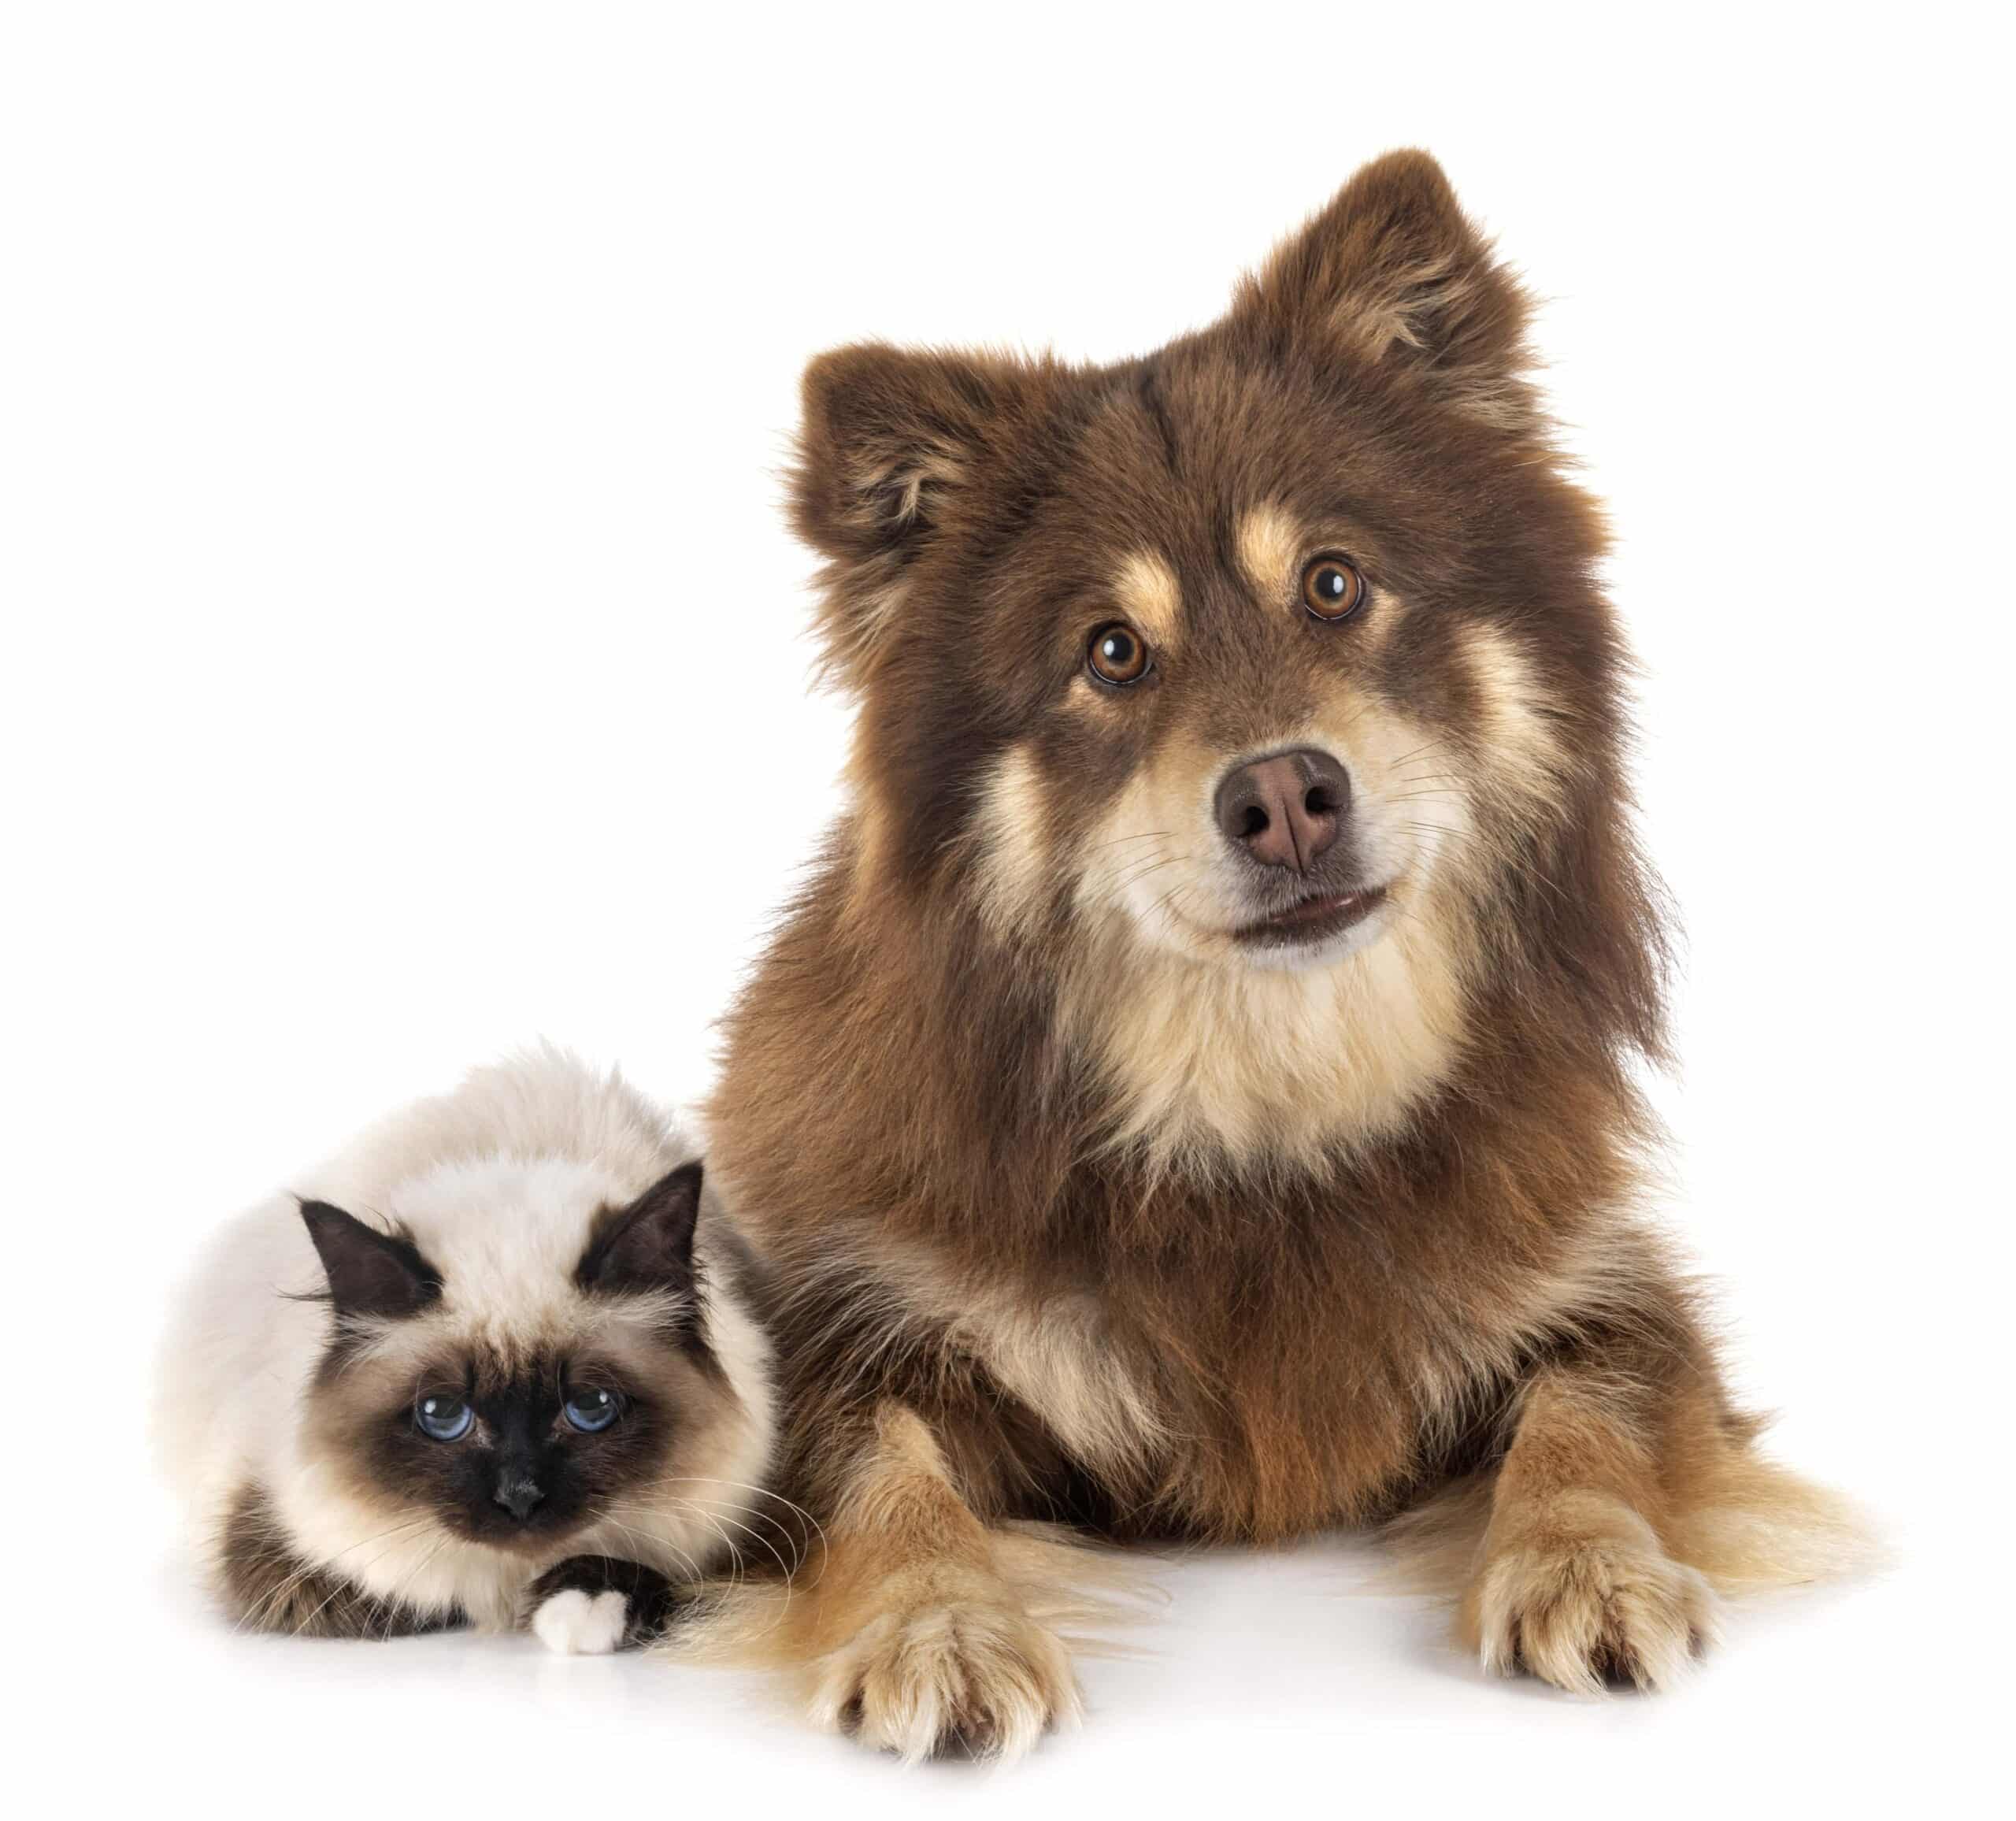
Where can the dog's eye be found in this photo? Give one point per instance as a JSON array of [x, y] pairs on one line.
[[1118, 655], [1333, 588], [445, 1417]]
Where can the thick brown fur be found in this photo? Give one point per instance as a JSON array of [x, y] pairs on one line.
[[1080, 1215]]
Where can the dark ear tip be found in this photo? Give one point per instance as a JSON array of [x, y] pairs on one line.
[[844, 380], [1410, 164], [319, 1216], [1405, 185], [648, 1245], [676, 1189]]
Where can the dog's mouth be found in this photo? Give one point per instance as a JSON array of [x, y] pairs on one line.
[[1311, 920]]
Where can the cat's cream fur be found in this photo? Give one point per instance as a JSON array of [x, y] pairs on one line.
[[498, 1185]]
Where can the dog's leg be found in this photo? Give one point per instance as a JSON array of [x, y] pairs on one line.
[[920, 1642], [1574, 1583]]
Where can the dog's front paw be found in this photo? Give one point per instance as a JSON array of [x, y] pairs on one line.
[[968, 1670], [574, 1624], [1581, 1610]]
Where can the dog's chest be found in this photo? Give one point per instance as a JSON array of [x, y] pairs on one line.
[[1054, 1348], [1285, 1393]]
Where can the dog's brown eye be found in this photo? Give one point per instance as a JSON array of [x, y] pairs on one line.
[[1332, 588], [1116, 655]]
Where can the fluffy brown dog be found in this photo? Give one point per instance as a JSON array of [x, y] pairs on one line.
[[1193, 1096]]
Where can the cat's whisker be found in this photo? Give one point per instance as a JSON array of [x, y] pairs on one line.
[[787, 1571], [270, 1602], [707, 1519], [763, 1492], [390, 1604], [738, 1514], [756, 1536], [341, 1586], [651, 1539], [716, 1520]]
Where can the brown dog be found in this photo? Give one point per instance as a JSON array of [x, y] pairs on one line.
[[1194, 1096]]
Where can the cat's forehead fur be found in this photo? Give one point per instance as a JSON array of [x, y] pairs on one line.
[[507, 1237], [502, 1185]]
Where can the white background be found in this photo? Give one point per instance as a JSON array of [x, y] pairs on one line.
[[403, 655]]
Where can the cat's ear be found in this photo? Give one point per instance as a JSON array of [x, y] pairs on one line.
[[1393, 273], [891, 444], [648, 1245], [370, 1273]]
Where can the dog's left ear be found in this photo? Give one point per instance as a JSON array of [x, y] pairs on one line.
[[890, 448], [1392, 274]]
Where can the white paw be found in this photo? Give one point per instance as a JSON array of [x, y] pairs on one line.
[[577, 1624]]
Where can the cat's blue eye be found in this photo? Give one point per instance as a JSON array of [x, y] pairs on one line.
[[590, 1408], [445, 1417]]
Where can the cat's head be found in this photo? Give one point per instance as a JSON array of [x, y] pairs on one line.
[[519, 1362]]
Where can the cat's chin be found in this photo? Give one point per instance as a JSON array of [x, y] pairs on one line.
[[539, 1548]]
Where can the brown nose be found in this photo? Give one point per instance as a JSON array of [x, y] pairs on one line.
[[1284, 810]]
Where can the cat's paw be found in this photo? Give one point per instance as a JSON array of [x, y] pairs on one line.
[[972, 1672], [589, 1605], [576, 1623], [1582, 1612]]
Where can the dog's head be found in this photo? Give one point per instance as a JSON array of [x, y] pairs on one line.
[[1259, 679]]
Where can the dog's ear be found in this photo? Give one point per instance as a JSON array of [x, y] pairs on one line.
[[1392, 273], [891, 442]]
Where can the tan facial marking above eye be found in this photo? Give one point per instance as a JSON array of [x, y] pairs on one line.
[[1269, 551], [1148, 597]]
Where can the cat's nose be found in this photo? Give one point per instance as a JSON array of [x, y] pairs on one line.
[[517, 1494]]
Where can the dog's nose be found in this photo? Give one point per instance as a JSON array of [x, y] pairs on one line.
[[1285, 810], [517, 1494]]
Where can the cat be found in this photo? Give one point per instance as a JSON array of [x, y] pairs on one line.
[[498, 1363]]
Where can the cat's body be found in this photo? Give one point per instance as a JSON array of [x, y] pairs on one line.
[[524, 1267]]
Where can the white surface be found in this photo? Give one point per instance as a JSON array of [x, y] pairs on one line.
[[401, 659]]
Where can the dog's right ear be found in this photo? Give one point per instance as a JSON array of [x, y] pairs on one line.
[[891, 442], [1393, 276]]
